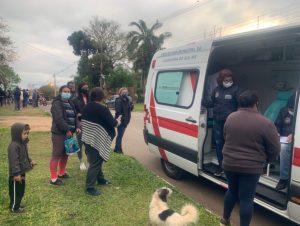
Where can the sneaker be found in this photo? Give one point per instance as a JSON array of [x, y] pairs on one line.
[[93, 192], [224, 222], [282, 184], [219, 173], [64, 176], [103, 182], [82, 166], [58, 182], [20, 210]]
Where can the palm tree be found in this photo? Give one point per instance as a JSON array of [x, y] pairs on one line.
[[143, 44]]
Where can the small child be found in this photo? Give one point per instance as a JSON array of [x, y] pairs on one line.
[[19, 163]]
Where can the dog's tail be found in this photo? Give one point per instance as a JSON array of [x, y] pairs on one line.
[[190, 214]]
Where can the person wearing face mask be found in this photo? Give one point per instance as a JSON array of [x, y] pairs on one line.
[[64, 124], [123, 107], [284, 124], [80, 102], [224, 100]]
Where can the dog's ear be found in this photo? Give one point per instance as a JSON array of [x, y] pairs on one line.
[[163, 194]]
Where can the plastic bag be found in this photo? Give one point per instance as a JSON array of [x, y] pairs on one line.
[[71, 145]]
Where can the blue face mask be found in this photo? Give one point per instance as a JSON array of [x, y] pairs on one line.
[[66, 96]]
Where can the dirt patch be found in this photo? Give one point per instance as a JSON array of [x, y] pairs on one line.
[[36, 123]]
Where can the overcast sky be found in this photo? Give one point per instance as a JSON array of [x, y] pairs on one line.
[[39, 28]]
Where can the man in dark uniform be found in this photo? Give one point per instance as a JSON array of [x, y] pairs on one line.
[[284, 124]]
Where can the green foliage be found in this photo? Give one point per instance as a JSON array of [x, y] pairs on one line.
[[143, 44], [48, 91], [81, 43], [8, 77], [120, 77], [101, 46]]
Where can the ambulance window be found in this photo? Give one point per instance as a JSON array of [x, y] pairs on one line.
[[176, 87]]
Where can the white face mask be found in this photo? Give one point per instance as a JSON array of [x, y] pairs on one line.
[[291, 113], [227, 84]]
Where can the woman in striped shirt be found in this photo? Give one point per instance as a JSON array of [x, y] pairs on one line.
[[98, 131]]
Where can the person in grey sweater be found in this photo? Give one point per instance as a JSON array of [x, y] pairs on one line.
[[19, 163], [251, 140]]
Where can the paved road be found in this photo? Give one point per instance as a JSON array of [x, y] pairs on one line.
[[203, 191]]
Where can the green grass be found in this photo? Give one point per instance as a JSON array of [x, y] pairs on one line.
[[8, 110], [138, 107], [123, 203]]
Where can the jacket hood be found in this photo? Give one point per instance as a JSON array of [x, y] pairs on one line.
[[16, 132], [57, 98]]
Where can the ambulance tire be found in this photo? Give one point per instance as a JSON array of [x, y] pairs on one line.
[[171, 170]]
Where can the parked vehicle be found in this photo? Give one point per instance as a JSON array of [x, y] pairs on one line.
[[179, 130], [110, 103]]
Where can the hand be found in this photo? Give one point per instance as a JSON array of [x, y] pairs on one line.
[[18, 178], [69, 134], [290, 138], [78, 131], [119, 122], [32, 163]]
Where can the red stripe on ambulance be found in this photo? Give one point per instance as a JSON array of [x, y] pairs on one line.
[[180, 127], [155, 125], [296, 159]]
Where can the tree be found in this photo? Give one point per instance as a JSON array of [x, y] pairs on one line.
[[101, 46], [8, 77], [120, 77], [142, 46], [48, 91], [7, 53], [81, 43]]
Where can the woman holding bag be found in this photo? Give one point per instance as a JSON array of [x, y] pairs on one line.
[[64, 125]]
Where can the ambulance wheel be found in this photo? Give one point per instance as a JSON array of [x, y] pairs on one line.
[[171, 170]]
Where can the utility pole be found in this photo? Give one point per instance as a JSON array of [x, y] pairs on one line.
[[54, 78]]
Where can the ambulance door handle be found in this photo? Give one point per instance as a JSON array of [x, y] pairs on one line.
[[190, 119]]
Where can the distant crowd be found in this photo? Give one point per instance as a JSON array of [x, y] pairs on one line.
[[20, 97]]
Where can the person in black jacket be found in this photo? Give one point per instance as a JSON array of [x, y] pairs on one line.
[[64, 125], [284, 124], [123, 107], [19, 163], [80, 101], [17, 96], [98, 131], [224, 100]]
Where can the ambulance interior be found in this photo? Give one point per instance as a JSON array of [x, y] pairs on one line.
[[269, 64]]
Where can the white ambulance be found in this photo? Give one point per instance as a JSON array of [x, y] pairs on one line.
[[179, 129]]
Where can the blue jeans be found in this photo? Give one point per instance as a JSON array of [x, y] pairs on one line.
[[241, 186], [219, 139], [285, 161], [121, 130]]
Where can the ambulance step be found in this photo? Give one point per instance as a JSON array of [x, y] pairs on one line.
[[271, 196]]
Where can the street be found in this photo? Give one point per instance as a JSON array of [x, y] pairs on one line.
[[203, 191]]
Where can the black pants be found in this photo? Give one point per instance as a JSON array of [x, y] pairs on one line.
[[16, 192], [94, 171], [241, 186]]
